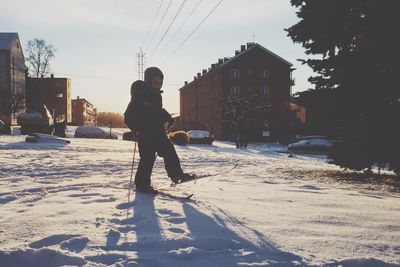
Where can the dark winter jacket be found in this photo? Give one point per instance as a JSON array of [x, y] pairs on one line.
[[144, 113]]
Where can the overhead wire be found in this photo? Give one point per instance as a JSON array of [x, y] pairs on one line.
[[159, 24], [183, 23], [168, 28], [195, 29], [152, 24], [103, 78]]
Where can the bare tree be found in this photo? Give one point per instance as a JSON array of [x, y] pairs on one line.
[[239, 112], [38, 56]]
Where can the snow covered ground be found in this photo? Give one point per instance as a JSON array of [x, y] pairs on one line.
[[67, 205]]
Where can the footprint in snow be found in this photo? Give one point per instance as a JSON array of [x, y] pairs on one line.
[[51, 240], [113, 237], [76, 244], [168, 212], [84, 195], [100, 200], [310, 187], [176, 220], [124, 206], [6, 199], [176, 230]]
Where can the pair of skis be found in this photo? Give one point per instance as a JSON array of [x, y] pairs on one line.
[[163, 191]]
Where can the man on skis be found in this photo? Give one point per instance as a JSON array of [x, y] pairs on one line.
[[146, 117]]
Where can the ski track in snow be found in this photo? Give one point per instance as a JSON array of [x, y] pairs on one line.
[[67, 205]]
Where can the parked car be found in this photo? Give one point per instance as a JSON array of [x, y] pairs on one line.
[[311, 144], [37, 120], [200, 137], [93, 132]]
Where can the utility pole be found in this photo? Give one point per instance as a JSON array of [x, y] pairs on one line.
[[140, 64]]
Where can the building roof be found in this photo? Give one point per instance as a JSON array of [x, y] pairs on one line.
[[82, 100], [7, 39], [250, 47]]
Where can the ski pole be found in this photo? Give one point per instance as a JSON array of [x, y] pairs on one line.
[[130, 180]]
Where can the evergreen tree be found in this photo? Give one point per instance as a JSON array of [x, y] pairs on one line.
[[355, 51]]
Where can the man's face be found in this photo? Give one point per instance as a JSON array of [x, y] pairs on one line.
[[157, 83]]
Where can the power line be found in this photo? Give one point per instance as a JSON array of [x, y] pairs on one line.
[[103, 78], [168, 28], [183, 23], [152, 24], [92, 77], [159, 24], [195, 29]]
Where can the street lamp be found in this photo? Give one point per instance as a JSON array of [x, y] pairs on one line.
[[60, 120]]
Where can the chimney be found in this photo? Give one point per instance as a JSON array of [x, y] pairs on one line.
[[249, 45], [52, 75], [237, 52], [195, 78], [186, 82], [77, 97], [204, 71], [198, 75], [42, 76], [220, 61], [226, 59], [242, 48], [213, 66]]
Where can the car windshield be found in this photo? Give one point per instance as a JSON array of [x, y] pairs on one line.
[[303, 141], [319, 142], [198, 134]]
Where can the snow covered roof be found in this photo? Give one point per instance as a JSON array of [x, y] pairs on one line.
[[7, 39], [252, 46]]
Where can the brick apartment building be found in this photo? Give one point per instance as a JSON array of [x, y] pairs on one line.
[[12, 77], [83, 112], [253, 71], [53, 92]]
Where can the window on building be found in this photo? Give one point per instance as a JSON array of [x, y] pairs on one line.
[[264, 73], [250, 89], [235, 90], [264, 90], [235, 73]]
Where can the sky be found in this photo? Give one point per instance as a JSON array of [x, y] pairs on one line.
[[97, 41]]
